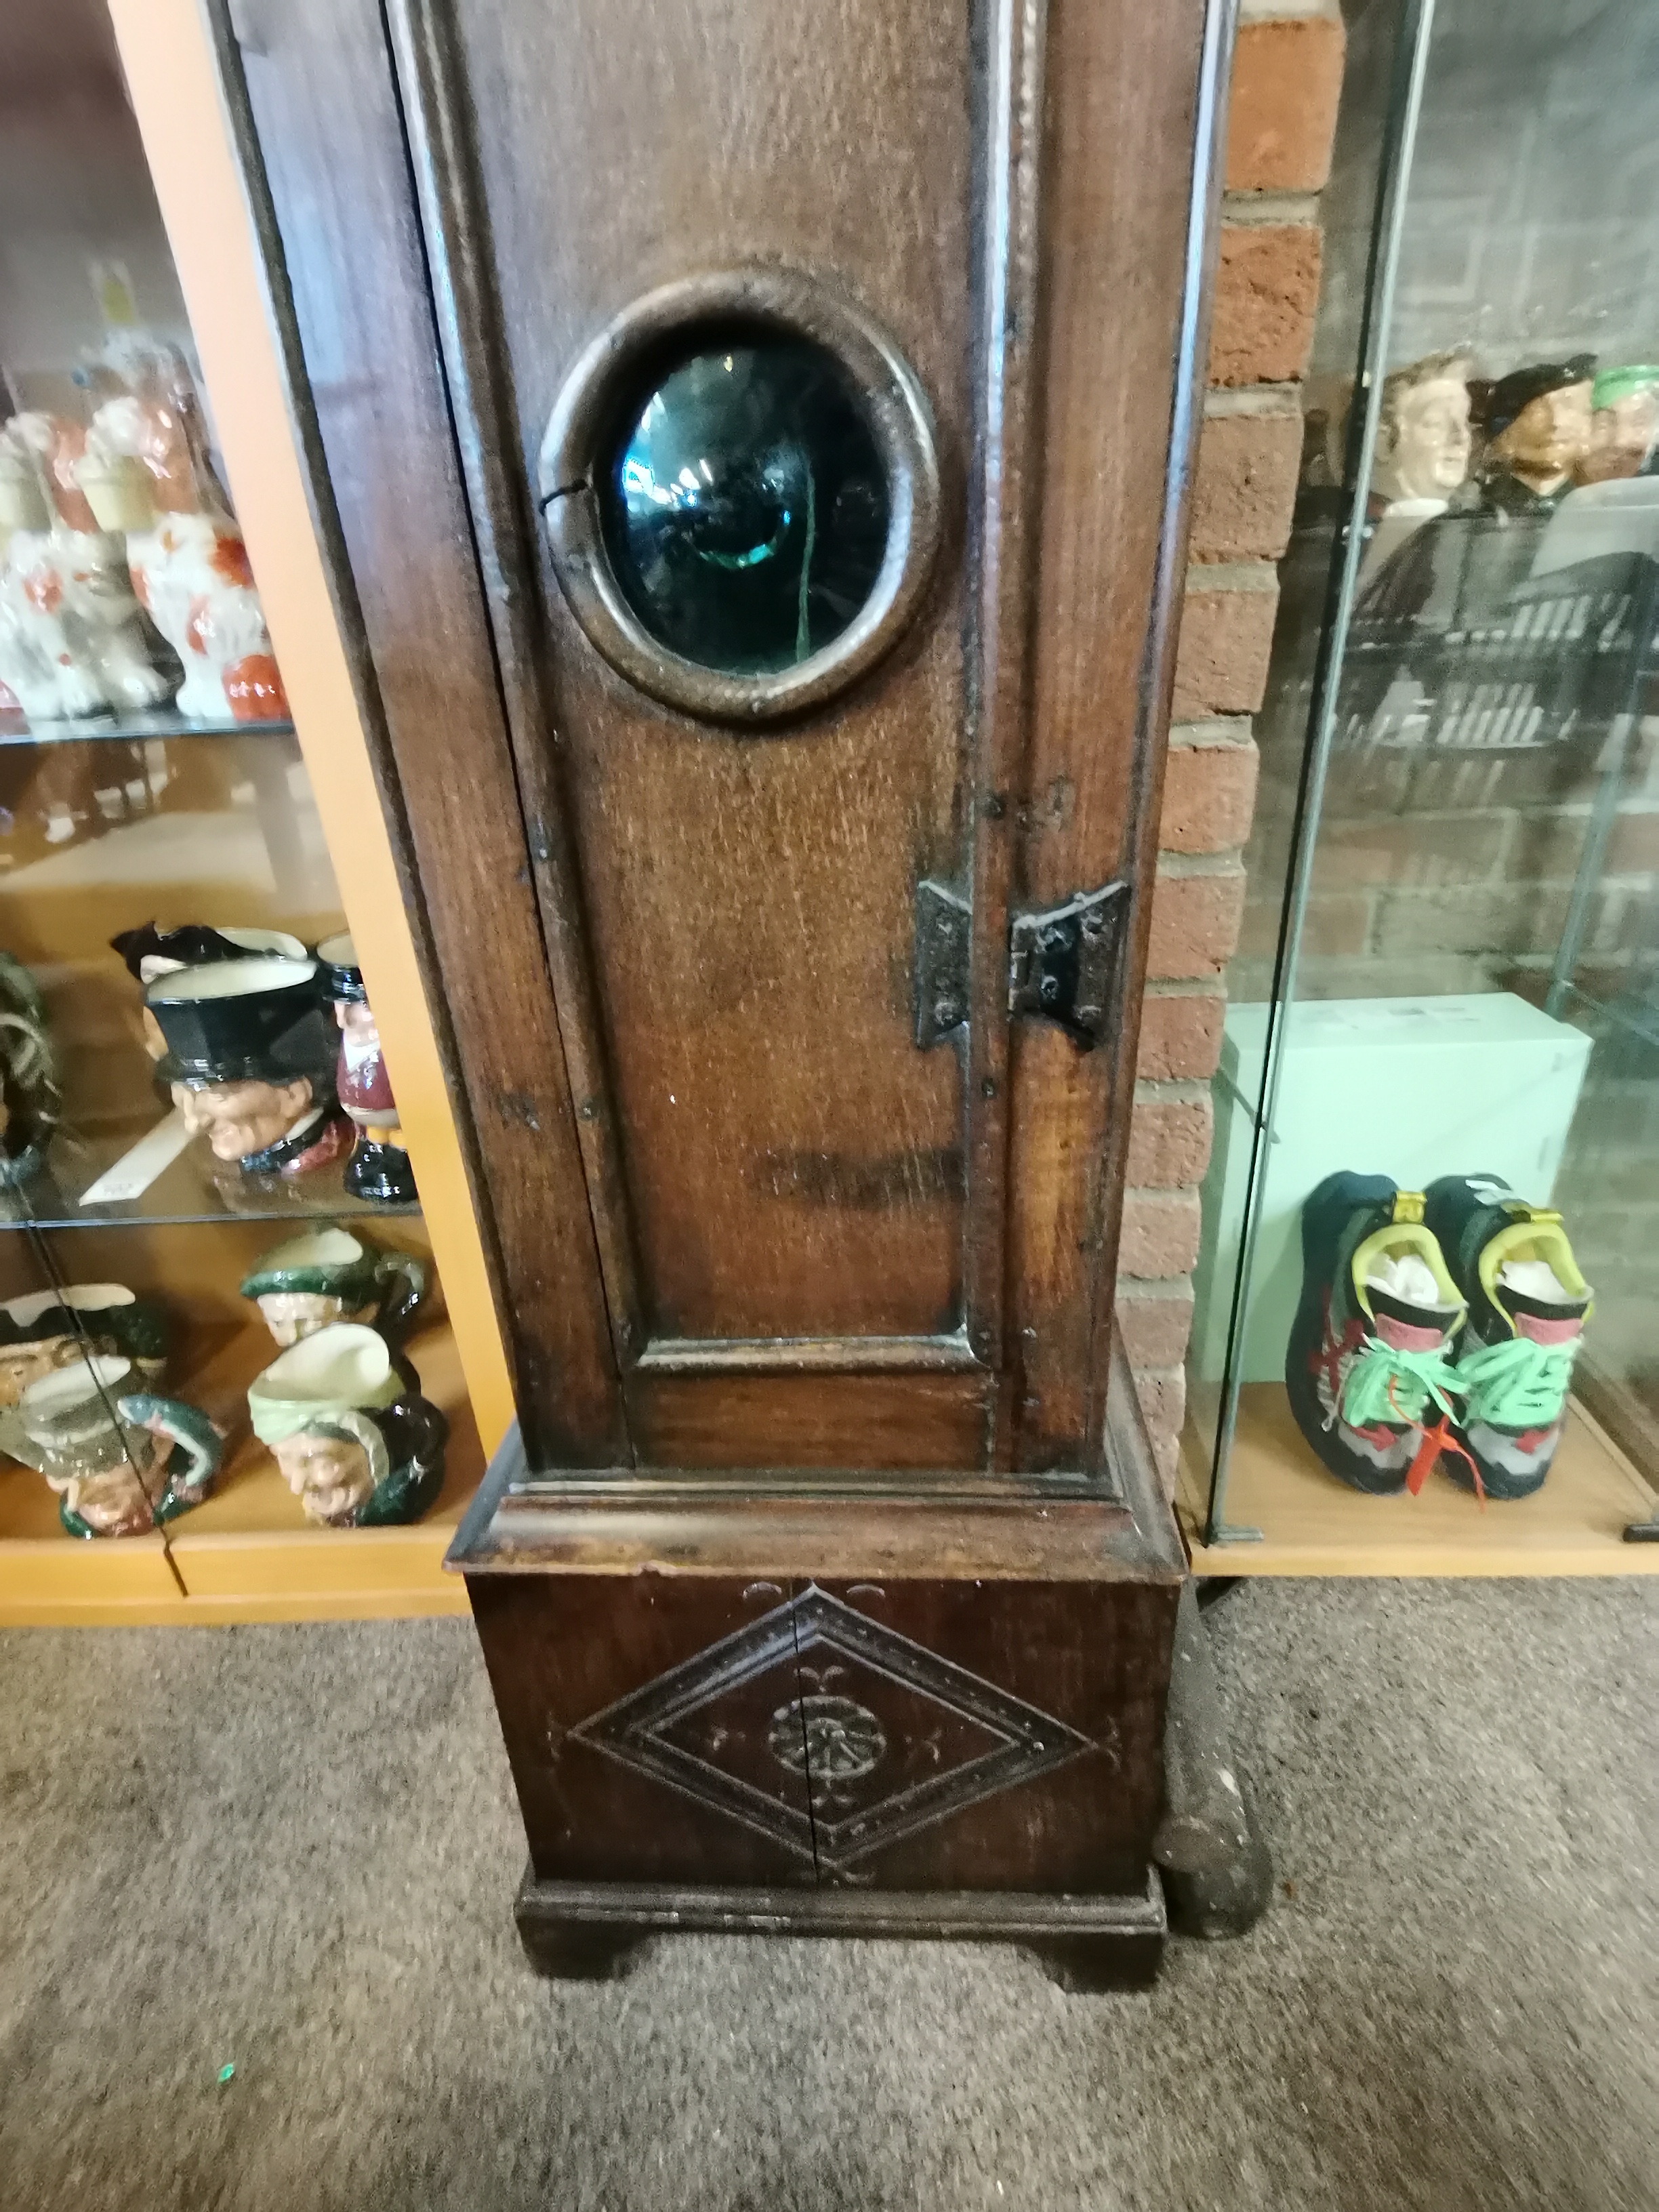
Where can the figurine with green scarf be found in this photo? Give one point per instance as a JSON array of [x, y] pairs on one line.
[[357, 1443]]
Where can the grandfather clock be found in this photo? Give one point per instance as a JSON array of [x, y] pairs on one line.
[[754, 440]]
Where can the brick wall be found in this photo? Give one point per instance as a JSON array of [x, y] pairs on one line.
[[1454, 873], [1287, 77]]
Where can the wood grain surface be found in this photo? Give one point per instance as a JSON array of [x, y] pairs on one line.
[[1123, 359], [725, 920], [331, 151], [793, 1164]]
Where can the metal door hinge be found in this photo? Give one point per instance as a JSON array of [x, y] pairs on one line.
[[945, 940], [1062, 964]]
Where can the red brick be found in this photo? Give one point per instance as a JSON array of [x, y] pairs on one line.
[[1287, 80], [1169, 1142], [1245, 487], [1180, 1034], [1331, 926], [1162, 1395], [1633, 847], [1160, 1232], [1209, 794], [1194, 925], [1548, 846], [1155, 1323], [1506, 918], [1267, 289], [1226, 639], [1410, 849]]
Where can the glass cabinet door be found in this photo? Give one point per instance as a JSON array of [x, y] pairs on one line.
[[1429, 1280], [201, 1165]]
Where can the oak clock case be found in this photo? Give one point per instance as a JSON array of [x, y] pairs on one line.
[[780, 781]]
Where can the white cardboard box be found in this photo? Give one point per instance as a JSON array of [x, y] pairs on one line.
[[1410, 1088]]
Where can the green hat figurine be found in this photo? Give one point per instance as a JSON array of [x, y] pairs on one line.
[[1624, 423], [359, 1445], [329, 1275]]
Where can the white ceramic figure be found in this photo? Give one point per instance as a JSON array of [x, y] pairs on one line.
[[72, 640], [188, 564], [1423, 437]]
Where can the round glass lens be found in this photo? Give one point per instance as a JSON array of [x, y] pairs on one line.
[[745, 511]]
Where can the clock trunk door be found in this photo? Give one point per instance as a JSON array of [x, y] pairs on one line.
[[813, 374]]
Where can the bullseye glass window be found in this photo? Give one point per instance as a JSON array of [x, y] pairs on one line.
[[744, 505]]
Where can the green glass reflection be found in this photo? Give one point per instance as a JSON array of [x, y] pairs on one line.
[[745, 510]]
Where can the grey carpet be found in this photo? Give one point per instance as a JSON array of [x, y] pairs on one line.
[[295, 1849]]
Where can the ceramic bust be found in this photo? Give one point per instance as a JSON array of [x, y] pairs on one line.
[[152, 951], [1423, 445], [72, 640], [29, 1097], [1456, 571], [1423, 436], [50, 1329], [1623, 426], [379, 1167], [121, 1459], [145, 472], [329, 1275], [250, 1063], [359, 1446], [1536, 422]]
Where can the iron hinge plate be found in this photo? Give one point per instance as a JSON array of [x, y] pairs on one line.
[[1062, 964], [944, 942]]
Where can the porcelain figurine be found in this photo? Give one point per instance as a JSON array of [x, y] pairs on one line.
[[358, 1444], [1456, 571], [1536, 423], [379, 1167], [329, 1275], [50, 1329], [1423, 445], [72, 640], [121, 1459], [250, 1063], [153, 951], [29, 1097], [1624, 427], [145, 473], [1423, 436]]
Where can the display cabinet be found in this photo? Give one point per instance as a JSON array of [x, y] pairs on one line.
[[200, 1160], [1443, 992]]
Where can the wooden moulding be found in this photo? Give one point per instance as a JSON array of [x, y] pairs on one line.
[[313, 110], [660, 328], [586, 1930], [1112, 1525]]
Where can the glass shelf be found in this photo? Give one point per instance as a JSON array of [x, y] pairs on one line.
[[193, 1188], [162, 722]]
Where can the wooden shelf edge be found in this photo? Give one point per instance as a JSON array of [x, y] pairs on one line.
[[417, 1603], [247, 1554], [1311, 1525]]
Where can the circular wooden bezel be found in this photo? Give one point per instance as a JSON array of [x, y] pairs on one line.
[[591, 407]]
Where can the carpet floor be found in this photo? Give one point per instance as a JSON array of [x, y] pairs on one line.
[[293, 1849]]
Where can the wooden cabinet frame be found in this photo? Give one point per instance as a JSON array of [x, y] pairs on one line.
[[1094, 138], [908, 1412]]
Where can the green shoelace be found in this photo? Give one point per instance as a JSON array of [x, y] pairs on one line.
[[1516, 1383], [1384, 1384]]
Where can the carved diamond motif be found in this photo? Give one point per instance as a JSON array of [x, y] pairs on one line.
[[890, 1737]]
